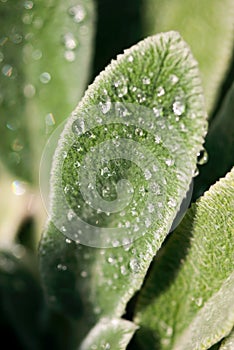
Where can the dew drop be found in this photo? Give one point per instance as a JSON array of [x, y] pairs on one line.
[[202, 157], [157, 139], [1, 57], [134, 265], [69, 56], [196, 172], [3, 40], [70, 215], [17, 145], [105, 106], [18, 187], [49, 119], [61, 267], [69, 41], [123, 270], [172, 203], [28, 5], [121, 87], [147, 174], [169, 162], [146, 81], [37, 54], [158, 111], [130, 58], [147, 222], [178, 107], [77, 12], [150, 208], [160, 91], [78, 126], [16, 38], [45, 78], [106, 346], [7, 70], [173, 79], [68, 241], [84, 274], [29, 91]]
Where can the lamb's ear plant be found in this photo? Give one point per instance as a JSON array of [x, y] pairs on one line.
[[118, 270]]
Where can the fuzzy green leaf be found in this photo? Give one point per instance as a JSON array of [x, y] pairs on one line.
[[207, 26], [219, 145], [88, 282], [109, 334], [188, 301], [228, 343], [42, 44]]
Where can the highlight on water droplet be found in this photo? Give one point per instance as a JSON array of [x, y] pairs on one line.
[[3, 40], [69, 56], [45, 78], [18, 187], [77, 12], [202, 157], [69, 41], [178, 107], [28, 5], [49, 119], [7, 70]]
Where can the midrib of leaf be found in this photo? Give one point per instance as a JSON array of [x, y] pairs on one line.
[[197, 278], [105, 290]]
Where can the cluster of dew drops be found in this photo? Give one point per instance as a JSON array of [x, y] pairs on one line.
[[69, 43]]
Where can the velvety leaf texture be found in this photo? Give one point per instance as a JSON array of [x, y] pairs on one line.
[[155, 89], [187, 301]]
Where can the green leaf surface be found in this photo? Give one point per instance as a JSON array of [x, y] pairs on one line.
[[45, 52], [158, 75], [228, 343], [219, 146], [207, 26], [187, 302], [109, 334]]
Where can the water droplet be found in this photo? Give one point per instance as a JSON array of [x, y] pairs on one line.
[[160, 91], [16, 38], [49, 119], [106, 346], [27, 18], [7, 70], [29, 91], [172, 203], [77, 12], [84, 274], [147, 222], [78, 126], [173, 78], [196, 172], [147, 174], [45, 77], [18, 187], [70, 215], [37, 54], [1, 57], [17, 146], [70, 56], [150, 208], [61, 267], [68, 241], [169, 162], [28, 5], [69, 41], [123, 270], [199, 301], [178, 107], [157, 139], [158, 111], [134, 265], [121, 87], [146, 81], [3, 40], [38, 22], [130, 58], [97, 310], [105, 106], [202, 157]]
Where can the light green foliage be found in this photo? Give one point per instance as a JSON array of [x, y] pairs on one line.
[[109, 334], [207, 26], [89, 283], [45, 52], [187, 301]]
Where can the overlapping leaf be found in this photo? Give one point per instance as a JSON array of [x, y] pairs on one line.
[[187, 301]]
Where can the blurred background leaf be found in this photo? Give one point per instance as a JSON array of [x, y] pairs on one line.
[[45, 56]]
